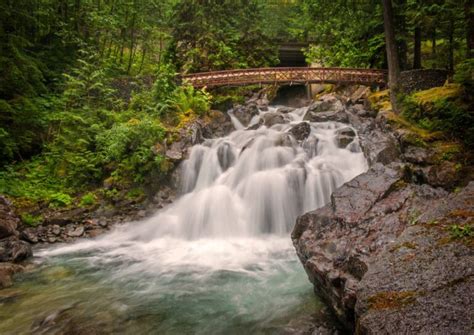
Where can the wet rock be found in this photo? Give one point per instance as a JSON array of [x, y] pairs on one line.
[[14, 250], [444, 174], [328, 108], [245, 113], [379, 147], [55, 229], [29, 235], [77, 232], [338, 242], [256, 125], [310, 146], [272, 118], [285, 140], [225, 156], [175, 152], [95, 232], [360, 94], [8, 219], [62, 218], [300, 131], [7, 270], [417, 155], [285, 110], [344, 136]]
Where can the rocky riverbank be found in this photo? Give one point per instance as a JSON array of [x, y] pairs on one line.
[[393, 251]]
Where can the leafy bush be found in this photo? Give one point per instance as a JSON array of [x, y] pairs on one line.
[[88, 199], [187, 99], [128, 146], [464, 74], [59, 200]]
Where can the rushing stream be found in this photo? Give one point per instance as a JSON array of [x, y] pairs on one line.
[[218, 260]]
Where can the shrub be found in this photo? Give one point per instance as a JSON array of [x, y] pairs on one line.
[[186, 99], [60, 200], [88, 199]]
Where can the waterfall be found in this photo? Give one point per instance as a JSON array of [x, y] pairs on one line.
[[219, 259], [252, 183]]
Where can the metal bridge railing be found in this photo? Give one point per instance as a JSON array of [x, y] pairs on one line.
[[287, 75]]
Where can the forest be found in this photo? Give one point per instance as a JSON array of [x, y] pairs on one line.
[[87, 87], [318, 180]]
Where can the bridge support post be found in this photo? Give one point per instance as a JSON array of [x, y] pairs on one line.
[[309, 91]]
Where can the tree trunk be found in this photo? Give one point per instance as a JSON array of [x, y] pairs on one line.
[[433, 42], [401, 24], [417, 49], [132, 44], [392, 54], [469, 18], [451, 45]]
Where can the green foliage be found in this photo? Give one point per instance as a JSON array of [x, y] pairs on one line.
[[448, 114], [88, 199], [59, 200], [187, 99], [464, 74], [215, 37]]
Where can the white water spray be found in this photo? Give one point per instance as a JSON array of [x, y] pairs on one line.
[[241, 196]]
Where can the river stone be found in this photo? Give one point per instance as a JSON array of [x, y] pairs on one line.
[[225, 156], [77, 232], [272, 118], [7, 270], [64, 217], [344, 136], [8, 219], [14, 250], [245, 113], [29, 235], [300, 131], [285, 109]]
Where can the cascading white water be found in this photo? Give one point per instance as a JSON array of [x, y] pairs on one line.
[[222, 248]]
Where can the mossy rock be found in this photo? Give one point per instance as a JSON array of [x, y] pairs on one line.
[[390, 300]]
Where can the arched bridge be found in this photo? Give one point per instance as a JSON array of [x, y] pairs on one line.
[[287, 76]]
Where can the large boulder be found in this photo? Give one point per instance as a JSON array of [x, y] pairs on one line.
[[245, 113], [11, 248], [379, 146], [327, 109], [300, 131], [272, 118], [8, 219], [14, 250], [338, 242], [344, 136], [7, 270], [422, 283]]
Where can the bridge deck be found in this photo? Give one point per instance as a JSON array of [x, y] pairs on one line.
[[287, 75]]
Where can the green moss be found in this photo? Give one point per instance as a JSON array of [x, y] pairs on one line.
[[391, 299], [408, 245], [88, 200], [461, 231], [31, 220], [428, 97]]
